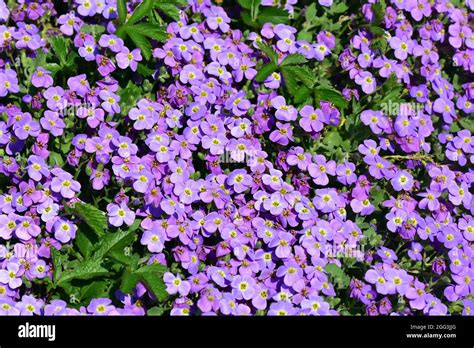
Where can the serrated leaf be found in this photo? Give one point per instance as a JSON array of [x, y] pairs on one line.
[[155, 311], [122, 10], [310, 13], [116, 240], [85, 270], [269, 51], [144, 70], [273, 15], [169, 9], [95, 30], [302, 94], [53, 68], [290, 80], [153, 31], [332, 96], [60, 47], [338, 275], [85, 240], [303, 74], [379, 11], [293, 59], [467, 123], [141, 42], [265, 71], [93, 217], [129, 96], [95, 289], [152, 277], [57, 264], [338, 8], [129, 282], [55, 158], [130, 261], [141, 11]]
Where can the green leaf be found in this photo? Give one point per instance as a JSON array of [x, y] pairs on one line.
[[305, 35], [55, 159], [290, 79], [153, 31], [57, 264], [155, 311], [94, 289], [85, 240], [85, 270], [60, 47], [467, 123], [265, 71], [53, 68], [141, 11], [144, 70], [129, 261], [155, 268], [338, 8], [333, 139], [333, 96], [379, 11], [310, 13], [247, 4], [152, 277], [341, 279], [303, 74], [129, 282], [248, 21], [129, 96], [116, 240], [169, 9], [302, 94], [93, 217], [293, 59], [122, 10], [269, 51], [95, 30], [376, 30], [273, 15], [141, 42]]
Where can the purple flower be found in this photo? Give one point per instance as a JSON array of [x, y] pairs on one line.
[[41, 78], [375, 120], [367, 81], [100, 306], [402, 46], [282, 242], [52, 123], [174, 284], [11, 275], [64, 183], [127, 59], [446, 108], [312, 120], [64, 231], [154, 240], [37, 168], [110, 102], [243, 287], [284, 112], [402, 180], [29, 305], [120, 214]]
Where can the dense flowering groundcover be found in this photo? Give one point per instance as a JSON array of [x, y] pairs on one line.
[[236, 158]]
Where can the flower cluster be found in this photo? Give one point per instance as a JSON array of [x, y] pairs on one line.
[[253, 199]]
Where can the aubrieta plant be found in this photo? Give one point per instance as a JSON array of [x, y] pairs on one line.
[[251, 157]]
